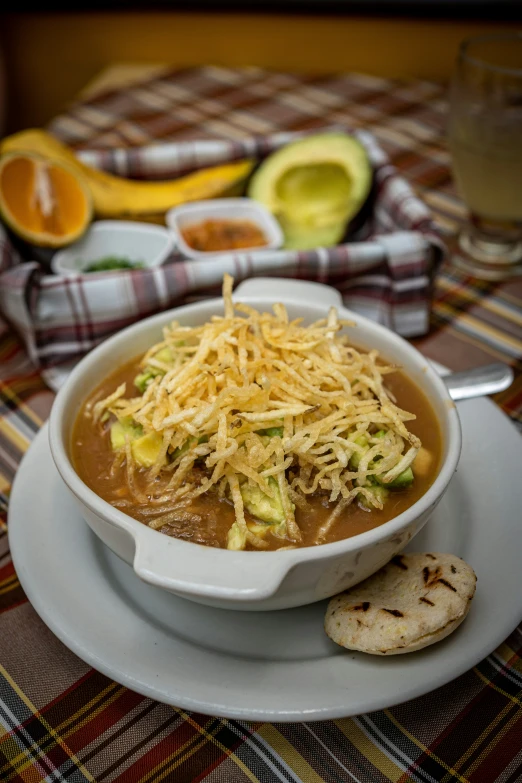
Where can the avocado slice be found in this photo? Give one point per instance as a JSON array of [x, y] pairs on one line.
[[423, 462], [402, 481], [314, 187], [271, 432], [301, 237], [121, 429], [236, 538], [142, 380], [164, 355], [355, 459], [381, 493], [145, 450], [189, 443], [261, 506]]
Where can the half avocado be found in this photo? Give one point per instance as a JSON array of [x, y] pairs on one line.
[[314, 187]]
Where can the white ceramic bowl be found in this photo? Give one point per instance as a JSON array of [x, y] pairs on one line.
[[251, 580], [144, 242], [179, 218]]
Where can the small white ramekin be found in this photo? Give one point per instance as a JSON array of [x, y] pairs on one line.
[[223, 209], [144, 242], [251, 580]]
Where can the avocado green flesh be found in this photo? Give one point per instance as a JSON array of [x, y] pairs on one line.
[[314, 187], [316, 193], [402, 481], [145, 448], [302, 237], [268, 512], [164, 355], [271, 432], [142, 380], [261, 506], [121, 430], [189, 444], [378, 492], [357, 456], [236, 538]]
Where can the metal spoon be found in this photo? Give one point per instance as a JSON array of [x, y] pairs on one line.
[[480, 381]]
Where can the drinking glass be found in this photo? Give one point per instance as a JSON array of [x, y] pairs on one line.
[[485, 139]]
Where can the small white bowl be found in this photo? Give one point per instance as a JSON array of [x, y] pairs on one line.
[[251, 580], [179, 218], [149, 244]]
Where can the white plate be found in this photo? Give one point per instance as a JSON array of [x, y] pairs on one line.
[[270, 665]]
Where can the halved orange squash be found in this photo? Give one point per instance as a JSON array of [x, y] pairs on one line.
[[47, 203]]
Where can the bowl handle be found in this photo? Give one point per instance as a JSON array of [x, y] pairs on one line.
[[201, 571], [282, 288]]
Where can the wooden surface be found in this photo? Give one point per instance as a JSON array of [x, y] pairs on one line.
[[51, 56]]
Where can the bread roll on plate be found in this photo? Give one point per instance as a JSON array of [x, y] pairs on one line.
[[414, 601]]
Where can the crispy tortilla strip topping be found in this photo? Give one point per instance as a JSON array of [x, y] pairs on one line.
[[255, 399]]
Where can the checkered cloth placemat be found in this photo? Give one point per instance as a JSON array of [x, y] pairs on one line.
[[61, 720]]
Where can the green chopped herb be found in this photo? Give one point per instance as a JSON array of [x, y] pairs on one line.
[[271, 432], [110, 263]]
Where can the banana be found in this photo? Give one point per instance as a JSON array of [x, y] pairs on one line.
[[118, 197]]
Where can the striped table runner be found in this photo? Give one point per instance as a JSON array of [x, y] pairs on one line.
[[61, 720]]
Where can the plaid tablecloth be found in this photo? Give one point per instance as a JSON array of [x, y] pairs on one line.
[[61, 720]]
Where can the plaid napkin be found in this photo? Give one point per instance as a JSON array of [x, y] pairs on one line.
[[386, 272]]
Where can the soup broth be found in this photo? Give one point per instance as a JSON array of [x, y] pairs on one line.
[[208, 518]]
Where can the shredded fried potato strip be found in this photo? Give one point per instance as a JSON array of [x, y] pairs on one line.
[[238, 379]]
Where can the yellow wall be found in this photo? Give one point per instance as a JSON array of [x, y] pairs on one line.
[[50, 57]]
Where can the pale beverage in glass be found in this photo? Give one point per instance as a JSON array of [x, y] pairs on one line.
[[485, 138]]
